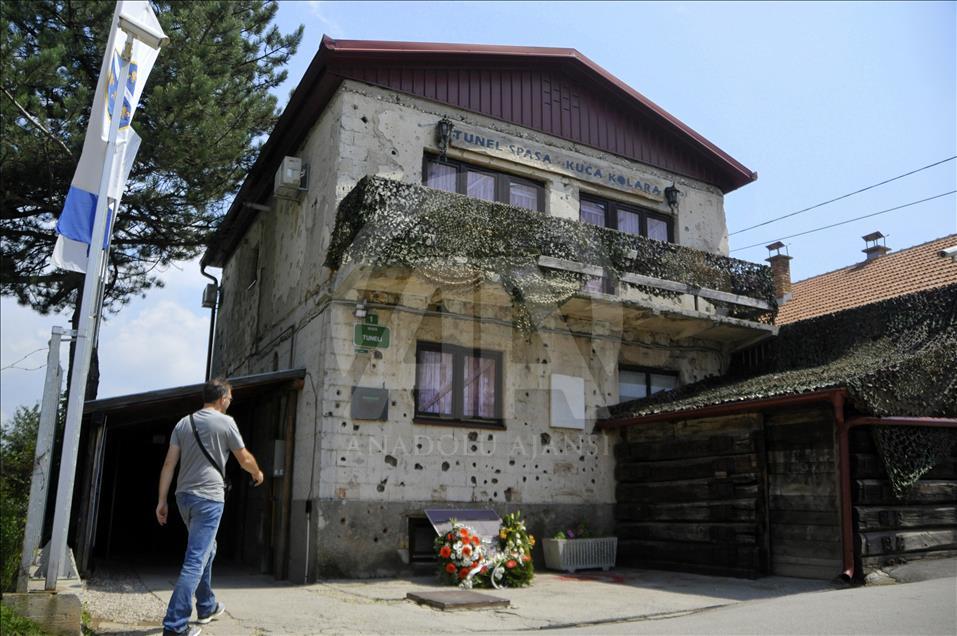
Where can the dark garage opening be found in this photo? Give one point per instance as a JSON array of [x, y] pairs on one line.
[[125, 442]]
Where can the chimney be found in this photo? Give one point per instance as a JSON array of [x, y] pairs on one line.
[[876, 246], [780, 271]]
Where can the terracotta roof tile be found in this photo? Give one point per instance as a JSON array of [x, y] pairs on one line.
[[894, 274]]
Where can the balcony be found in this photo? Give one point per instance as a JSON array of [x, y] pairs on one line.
[[398, 236]]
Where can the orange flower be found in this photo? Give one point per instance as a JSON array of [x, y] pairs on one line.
[[464, 572], [450, 568], [467, 550], [463, 532], [476, 540], [445, 552], [511, 563], [449, 536], [526, 558]]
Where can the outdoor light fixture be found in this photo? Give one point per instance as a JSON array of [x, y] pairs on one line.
[[671, 196], [209, 296], [443, 134], [360, 311]]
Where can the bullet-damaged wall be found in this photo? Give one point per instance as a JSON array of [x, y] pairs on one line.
[[281, 308]]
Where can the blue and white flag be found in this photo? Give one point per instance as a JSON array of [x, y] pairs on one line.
[[75, 225]]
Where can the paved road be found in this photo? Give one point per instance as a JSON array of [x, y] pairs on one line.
[[131, 600], [925, 607]]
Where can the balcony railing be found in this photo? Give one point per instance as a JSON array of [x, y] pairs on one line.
[[539, 259]]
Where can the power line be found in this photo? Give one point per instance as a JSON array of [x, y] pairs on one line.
[[866, 216], [14, 365], [870, 187]]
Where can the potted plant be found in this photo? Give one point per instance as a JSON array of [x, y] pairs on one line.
[[575, 549]]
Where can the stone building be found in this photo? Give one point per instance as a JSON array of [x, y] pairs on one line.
[[471, 250]]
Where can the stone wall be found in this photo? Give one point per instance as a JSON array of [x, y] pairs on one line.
[[280, 309]]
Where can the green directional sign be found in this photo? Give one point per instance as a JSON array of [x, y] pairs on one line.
[[372, 336]]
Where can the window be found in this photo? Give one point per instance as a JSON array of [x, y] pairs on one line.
[[457, 384], [482, 183], [635, 382], [626, 218]]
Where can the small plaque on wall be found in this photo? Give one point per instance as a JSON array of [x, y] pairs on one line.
[[567, 402], [369, 403]]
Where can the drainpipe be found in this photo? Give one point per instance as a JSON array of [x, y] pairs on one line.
[[210, 300], [843, 430], [844, 469]]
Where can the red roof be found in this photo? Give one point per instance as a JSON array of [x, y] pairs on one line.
[[894, 274]]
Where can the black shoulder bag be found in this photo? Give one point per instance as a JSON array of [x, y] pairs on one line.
[[227, 485]]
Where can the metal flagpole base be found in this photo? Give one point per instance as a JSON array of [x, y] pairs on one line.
[[67, 566]]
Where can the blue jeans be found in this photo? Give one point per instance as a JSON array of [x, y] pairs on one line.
[[202, 520]]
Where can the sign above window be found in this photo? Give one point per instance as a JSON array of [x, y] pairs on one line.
[[572, 164]]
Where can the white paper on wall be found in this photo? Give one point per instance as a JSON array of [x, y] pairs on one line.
[[567, 402]]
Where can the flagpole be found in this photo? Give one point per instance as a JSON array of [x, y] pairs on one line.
[[89, 315]]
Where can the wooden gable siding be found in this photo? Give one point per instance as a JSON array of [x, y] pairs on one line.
[[548, 101]]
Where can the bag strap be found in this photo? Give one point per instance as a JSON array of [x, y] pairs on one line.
[[203, 448]]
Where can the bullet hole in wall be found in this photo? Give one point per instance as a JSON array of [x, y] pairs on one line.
[[473, 480], [355, 427], [364, 119], [391, 461], [445, 466], [473, 436], [546, 438], [418, 467]]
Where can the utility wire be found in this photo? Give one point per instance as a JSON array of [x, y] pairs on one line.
[[14, 365], [866, 216], [870, 187]]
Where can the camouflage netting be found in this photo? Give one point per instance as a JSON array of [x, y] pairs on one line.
[[909, 452], [458, 241], [895, 358]]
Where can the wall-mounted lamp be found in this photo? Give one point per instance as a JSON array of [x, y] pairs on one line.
[[443, 134], [671, 196], [360, 311]]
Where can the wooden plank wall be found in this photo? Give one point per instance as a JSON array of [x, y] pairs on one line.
[[691, 496], [804, 493], [888, 531]]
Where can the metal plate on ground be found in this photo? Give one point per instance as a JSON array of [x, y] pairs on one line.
[[456, 600], [484, 521]]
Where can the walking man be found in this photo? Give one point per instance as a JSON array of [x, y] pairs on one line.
[[203, 441]]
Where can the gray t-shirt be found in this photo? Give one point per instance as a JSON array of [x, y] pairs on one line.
[[220, 436]]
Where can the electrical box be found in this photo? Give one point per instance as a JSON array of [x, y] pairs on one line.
[[369, 403], [290, 179]]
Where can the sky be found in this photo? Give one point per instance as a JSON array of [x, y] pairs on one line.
[[820, 99]]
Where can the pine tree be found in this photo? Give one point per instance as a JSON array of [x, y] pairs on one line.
[[205, 109]]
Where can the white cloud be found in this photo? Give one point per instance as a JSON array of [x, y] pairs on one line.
[[321, 11], [163, 345], [152, 343]]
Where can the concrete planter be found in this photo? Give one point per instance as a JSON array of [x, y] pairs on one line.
[[580, 554]]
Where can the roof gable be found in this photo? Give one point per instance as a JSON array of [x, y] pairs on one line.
[[556, 91]]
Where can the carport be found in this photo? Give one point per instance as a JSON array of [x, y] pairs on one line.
[[123, 443]]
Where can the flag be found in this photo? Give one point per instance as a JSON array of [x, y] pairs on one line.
[[75, 225]]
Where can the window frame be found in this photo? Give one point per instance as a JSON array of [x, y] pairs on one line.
[[647, 371], [502, 180], [611, 214], [458, 387]]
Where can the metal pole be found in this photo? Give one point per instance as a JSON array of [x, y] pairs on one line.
[[41, 463], [84, 340]]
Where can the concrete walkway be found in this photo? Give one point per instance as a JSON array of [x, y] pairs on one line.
[[132, 601]]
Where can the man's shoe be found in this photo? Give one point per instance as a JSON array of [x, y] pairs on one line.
[[216, 613], [189, 631]]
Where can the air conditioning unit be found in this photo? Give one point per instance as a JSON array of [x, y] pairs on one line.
[[290, 179]]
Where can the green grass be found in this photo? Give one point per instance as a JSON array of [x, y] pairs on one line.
[[12, 624]]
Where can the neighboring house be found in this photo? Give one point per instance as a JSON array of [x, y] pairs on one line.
[[829, 449], [445, 262], [884, 274]]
